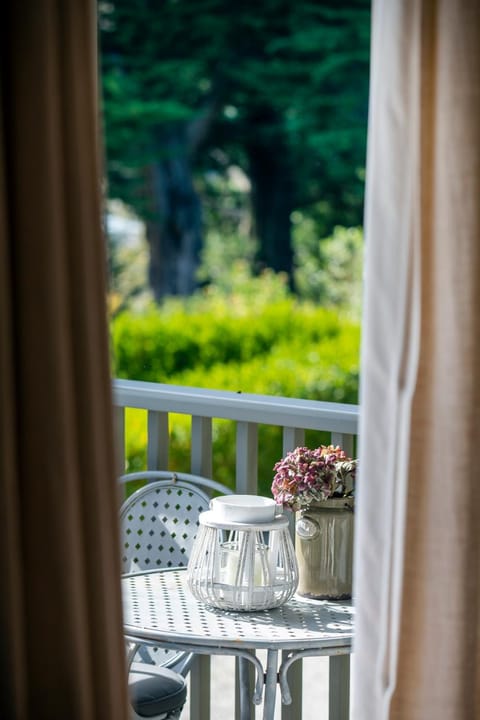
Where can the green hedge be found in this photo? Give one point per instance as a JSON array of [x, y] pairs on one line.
[[282, 348], [158, 344]]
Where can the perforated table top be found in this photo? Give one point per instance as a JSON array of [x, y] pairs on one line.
[[158, 606]]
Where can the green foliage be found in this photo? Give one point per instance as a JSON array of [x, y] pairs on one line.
[[208, 334], [324, 370], [329, 271], [291, 74], [260, 341], [127, 262]]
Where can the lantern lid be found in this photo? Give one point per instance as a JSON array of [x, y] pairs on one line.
[[211, 519], [244, 508]]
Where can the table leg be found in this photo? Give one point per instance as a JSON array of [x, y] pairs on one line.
[[339, 687], [270, 685]]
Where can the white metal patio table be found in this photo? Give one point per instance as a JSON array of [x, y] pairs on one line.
[[159, 609]]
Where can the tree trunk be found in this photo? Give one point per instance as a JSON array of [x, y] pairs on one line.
[[272, 192], [174, 226]]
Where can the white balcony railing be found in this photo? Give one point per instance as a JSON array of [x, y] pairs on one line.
[[247, 412]]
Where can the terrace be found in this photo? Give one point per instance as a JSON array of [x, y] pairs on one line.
[[247, 412]]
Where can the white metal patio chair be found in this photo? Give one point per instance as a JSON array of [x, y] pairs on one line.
[[159, 523]]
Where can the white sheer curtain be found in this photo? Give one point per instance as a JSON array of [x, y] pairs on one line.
[[417, 580]]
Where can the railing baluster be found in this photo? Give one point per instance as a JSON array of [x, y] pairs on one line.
[[157, 443], [345, 441], [247, 458], [292, 438], [246, 482], [120, 456], [339, 687], [201, 464], [119, 426], [201, 447], [244, 684], [295, 681], [200, 688]]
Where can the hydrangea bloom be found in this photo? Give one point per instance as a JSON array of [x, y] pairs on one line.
[[305, 475]]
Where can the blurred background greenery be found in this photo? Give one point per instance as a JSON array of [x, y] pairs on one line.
[[235, 139]]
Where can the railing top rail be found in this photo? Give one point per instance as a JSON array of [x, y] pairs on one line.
[[243, 407]]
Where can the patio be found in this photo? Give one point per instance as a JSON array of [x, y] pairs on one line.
[[216, 677]]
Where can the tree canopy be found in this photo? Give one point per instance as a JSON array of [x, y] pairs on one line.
[[192, 88]]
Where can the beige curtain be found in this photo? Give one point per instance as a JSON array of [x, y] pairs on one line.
[[417, 580], [61, 653]]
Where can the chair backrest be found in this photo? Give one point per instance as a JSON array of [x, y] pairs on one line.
[[159, 521]]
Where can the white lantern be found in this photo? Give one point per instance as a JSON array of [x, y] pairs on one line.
[[243, 557]]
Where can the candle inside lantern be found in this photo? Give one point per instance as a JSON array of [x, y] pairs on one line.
[[236, 572]]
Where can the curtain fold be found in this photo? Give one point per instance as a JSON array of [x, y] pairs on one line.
[[62, 652], [417, 557]]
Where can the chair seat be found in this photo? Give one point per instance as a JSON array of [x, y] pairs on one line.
[[155, 690]]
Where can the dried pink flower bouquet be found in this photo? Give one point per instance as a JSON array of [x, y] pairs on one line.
[[305, 475]]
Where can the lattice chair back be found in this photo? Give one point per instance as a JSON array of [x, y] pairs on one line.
[[159, 523]]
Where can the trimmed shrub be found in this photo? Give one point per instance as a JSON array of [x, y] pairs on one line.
[[282, 348]]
